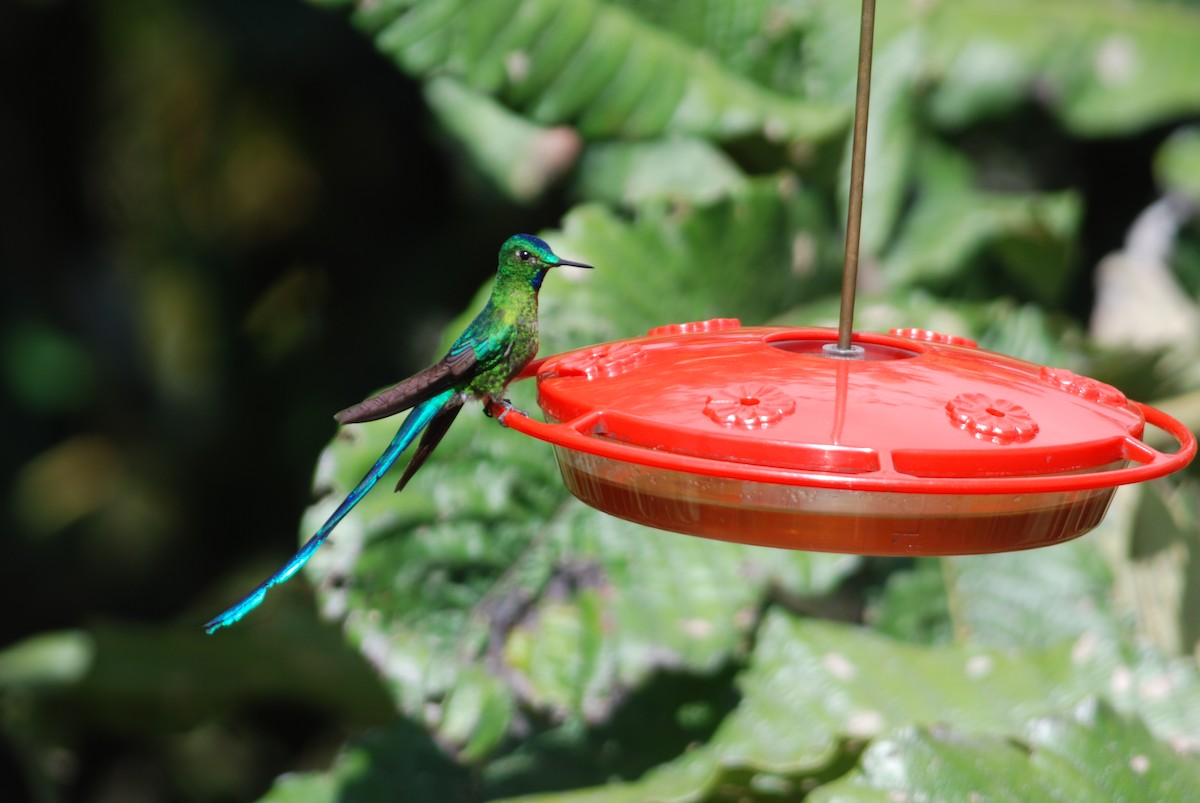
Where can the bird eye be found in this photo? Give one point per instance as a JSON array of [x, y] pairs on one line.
[[524, 255]]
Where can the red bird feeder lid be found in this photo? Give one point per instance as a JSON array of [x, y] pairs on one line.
[[926, 445]]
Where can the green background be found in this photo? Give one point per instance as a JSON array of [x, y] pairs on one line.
[[220, 222]]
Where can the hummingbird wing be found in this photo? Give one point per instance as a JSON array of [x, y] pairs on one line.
[[479, 348], [434, 432], [453, 370]]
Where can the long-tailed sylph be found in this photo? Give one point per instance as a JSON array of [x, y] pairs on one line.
[[497, 345]]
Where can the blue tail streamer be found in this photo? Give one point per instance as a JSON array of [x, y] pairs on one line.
[[416, 421]]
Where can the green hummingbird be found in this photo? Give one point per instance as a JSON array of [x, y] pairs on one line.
[[497, 345]]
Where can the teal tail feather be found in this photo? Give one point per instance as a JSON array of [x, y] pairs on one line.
[[416, 421]]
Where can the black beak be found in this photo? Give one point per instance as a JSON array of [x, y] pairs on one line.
[[562, 262]]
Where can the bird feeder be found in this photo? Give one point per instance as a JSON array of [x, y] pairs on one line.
[[926, 445], [909, 443]]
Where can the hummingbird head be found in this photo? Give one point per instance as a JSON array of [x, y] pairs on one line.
[[527, 257]]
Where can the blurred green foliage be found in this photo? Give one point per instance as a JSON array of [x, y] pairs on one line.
[[223, 221]]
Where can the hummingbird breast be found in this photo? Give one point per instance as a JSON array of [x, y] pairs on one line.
[[521, 332]]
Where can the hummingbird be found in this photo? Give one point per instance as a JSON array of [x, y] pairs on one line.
[[493, 349]]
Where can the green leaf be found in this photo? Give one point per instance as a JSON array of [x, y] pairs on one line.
[[376, 767], [632, 173], [520, 158], [44, 369], [955, 232], [749, 255], [1127, 582], [847, 685], [593, 65], [1033, 598], [1102, 68], [1154, 558], [1093, 754], [845, 682], [758, 39], [49, 659], [1177, 163], [942, 763], [1117, 756], [565, 612], [137, 680], [724, 72], [914, 606]]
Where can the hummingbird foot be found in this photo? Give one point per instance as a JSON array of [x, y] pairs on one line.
[[506, 406]]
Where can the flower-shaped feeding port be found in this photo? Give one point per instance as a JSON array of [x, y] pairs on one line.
[[1083, 386], [696, 327], [607, 361], [930, 336], [749, 406], [996, 420]]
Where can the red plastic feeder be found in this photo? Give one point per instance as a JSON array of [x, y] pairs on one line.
[[927, 445]]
